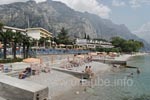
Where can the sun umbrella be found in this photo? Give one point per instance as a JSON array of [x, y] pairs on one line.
[[80, 56], [32, 60]]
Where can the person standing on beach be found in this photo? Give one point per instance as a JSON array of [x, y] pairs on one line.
[[90, 72], [86, 69]]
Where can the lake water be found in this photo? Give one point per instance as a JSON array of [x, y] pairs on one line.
[[118, 84], [123, 86]]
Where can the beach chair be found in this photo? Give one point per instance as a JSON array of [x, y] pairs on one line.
[[7, 68]]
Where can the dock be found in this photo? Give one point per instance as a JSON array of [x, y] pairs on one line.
[[111, 61], [78, 74]]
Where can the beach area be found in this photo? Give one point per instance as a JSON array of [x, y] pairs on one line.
[[86, 92], [65, 86]]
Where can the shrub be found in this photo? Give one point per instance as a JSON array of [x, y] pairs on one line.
[[11, 60]]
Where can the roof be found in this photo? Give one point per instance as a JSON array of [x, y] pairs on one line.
[[39, 28], [13, 28]]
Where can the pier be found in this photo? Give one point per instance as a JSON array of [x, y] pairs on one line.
[[111, 61], [72, 72]]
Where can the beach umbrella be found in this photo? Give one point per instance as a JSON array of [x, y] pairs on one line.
[[62, 45], [93, 54], [80, 56], [1, 45], [32, 60]]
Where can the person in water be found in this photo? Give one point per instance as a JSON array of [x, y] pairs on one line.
[[130, 75], [138, 71]]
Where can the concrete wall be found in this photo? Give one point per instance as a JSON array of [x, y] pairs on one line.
[[15, 89]]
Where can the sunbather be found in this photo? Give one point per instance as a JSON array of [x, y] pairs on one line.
[[86, 69], [25, 73]]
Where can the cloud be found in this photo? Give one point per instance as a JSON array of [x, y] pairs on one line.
[[11, 1], [91, 6], [138, 3], [118, 3]]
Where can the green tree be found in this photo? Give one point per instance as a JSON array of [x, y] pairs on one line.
[[132, 46], [6, 38], [88, 37], [16, 40], [127, 45], [63, 37], [118, 42], [85, 36], [27, 42], [42, 41]]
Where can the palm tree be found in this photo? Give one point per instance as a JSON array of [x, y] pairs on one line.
[[28, 44], [16, 39], [42, 41], [26, 40], [0, 35], [6, 37]]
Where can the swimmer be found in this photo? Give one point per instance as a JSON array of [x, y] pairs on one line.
[[138, 71], [130, 75]]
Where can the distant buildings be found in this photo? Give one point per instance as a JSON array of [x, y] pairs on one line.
[[34, 33], [91, 44], [14, 29], [37, 33]]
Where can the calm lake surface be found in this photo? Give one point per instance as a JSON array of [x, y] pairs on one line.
[[135, 87]]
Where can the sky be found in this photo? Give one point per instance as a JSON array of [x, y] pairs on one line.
[[132, 13]]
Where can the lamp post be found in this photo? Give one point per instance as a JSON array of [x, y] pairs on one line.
[[14, 44]]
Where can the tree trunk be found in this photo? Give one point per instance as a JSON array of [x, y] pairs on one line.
[[24, 51], [27, 52], [14, 50], [5, 49]]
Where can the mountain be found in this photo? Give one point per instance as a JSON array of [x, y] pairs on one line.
[[144, 32], [53, 15]]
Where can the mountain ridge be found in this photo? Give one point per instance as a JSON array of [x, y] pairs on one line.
[[53, 15], [144, 32]]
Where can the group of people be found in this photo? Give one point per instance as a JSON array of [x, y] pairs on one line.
[[88, 70], [137, 71], [34, 69], [5, 68], [26, 73]]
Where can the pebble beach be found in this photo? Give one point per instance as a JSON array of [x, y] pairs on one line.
[[62, 84]]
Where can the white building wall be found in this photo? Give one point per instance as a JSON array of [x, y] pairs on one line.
[[81, 41], [34, 34]]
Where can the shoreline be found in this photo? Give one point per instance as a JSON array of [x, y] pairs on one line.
[[79, 91], [60, 84]]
